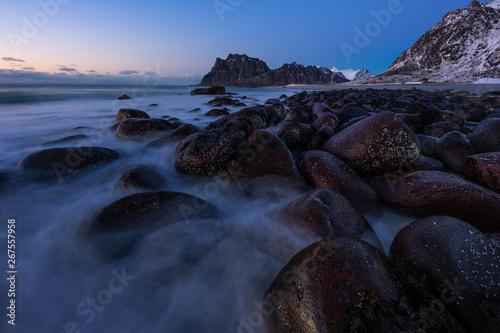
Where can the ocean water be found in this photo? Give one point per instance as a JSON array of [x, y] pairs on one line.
[[61, 287]]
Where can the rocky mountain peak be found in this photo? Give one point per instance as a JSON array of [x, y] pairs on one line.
[[475, 4]]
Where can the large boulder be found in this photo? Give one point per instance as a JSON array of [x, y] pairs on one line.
[[339, 285], [210, 150], [486, 136], [139, 129], [484, 169], [375, 145], [141, 177], [116, 228], [316, 215], [323, 170], [63, 163], [426, 193], [294, 134], [453, 149], [460, 264], [176, 135], [264, 162], [131, 113]]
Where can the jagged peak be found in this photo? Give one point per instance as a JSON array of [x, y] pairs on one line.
[[475, 4]]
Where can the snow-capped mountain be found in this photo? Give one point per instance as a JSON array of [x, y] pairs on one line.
[[353, 74], [463, 47]]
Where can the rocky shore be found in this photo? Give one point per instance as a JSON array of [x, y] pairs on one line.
[[344, 154]]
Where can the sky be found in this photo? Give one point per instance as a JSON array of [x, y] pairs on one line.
[[177, 41]]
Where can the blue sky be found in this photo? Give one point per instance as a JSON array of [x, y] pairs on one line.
[[177, 41]]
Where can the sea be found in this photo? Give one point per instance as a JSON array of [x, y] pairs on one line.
[[59, 286]]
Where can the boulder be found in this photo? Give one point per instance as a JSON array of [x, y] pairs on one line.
[[123, 97], [484, 169], [222, 101], [142, 178], [453, 149], [439, 129], [316, 215], [276, 113], [139, 129], [213, 90], [460, 264], [175, 135], [335, 285], [294, 134], [264, 162], [324, 170], [375, 145], [217, 112], [426, 193], [486, 136], [71, 138], [130, 113], [211, 150], [64, 163], [320, 137]]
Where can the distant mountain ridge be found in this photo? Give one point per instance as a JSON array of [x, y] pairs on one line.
[[243, 71], [352, 74], [463, 47]]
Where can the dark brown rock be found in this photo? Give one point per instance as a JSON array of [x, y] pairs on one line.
[[213, 90], [320, 137], [375, 145], [316, 215], [210, 150], [217, 112], [264, 162], [323, 170], [140, 129], [222, 101], [294, 134], [142, 178], [426, 163], [71, 138], [453, 149], [130, 113], [175, 135], [426, 193], [439, 129], [486, 136], [484, 169], [63, 163], [276, 113], [338, 285], [460, 265]]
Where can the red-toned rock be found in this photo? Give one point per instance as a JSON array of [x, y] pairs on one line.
[[323, 170], [452, 149], [375, 145], [460, 265], [294, 134], [484, 169], [426, 193], [316, 215]]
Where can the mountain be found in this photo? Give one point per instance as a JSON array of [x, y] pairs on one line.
[[463, 47], [243, 71], [352, 74]]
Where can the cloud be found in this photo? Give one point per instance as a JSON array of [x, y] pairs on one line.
[[66, 69], [12, 59], [92, 71], [29, 68], [128, 72]]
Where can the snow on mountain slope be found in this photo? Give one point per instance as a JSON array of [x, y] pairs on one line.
[[463, 47], [352, 74]]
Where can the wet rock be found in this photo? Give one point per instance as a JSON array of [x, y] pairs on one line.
[[426, 163], [213, 90], [272, 101], [426, 193], [427, 144], [326, 119], [175, 135], [222, 101], [294, 134], [323, 170], [240, 105], [63, 163], [486, 136], [484, 169], [141, 178], [460, 265], [210, 150], [338, 285], [375, 145], [130, 113], [124, 97], [316, 215], [276, 113], [320, 137], [217, 112], [439, 129], [432, 116], [194, 110], [71, 138], [264, 162], [453, 149], [116, 228], [350, 113], [140, 129]]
